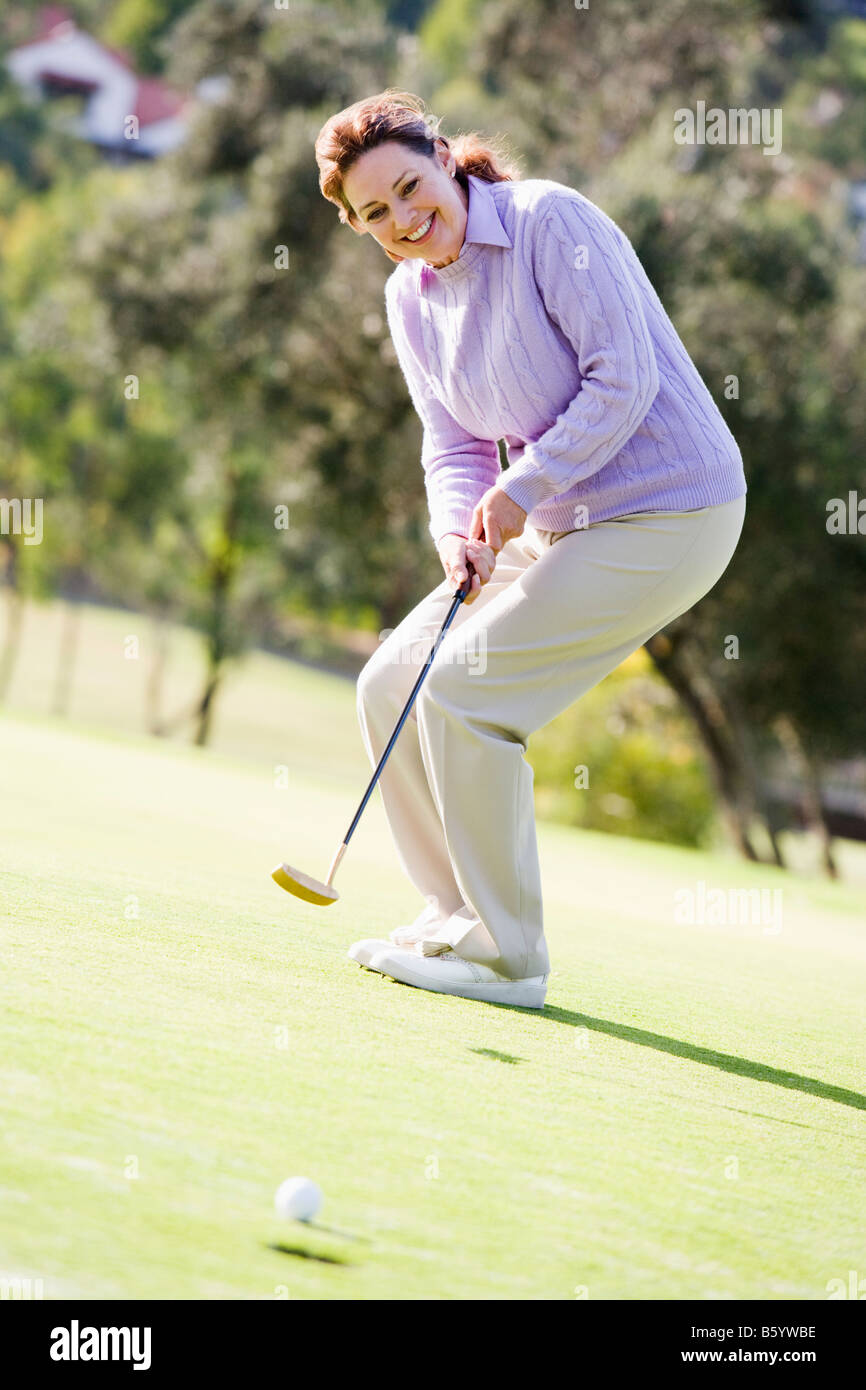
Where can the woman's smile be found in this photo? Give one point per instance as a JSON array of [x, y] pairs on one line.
[[423, 230], [415, 209]]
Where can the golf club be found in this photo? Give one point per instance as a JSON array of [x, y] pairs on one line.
[[323, 894]]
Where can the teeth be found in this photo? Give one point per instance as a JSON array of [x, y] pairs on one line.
[[425, 227]]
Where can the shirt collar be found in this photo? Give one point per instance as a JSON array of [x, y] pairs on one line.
[[483, 224]]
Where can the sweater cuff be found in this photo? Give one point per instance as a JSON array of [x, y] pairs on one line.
[[526, 485], [457, 521]]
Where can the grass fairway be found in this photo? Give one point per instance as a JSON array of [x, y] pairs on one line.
[[684, 1120]]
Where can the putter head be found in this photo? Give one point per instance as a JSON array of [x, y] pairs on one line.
[[302, 886]]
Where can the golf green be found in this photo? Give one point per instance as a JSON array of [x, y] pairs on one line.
[[685, 1119]]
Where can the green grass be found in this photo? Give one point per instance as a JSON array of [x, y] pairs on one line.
[[268, 710], [277, 713], [684, 1120]]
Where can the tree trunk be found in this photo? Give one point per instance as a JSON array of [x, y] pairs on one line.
[[809, 771], [813, 784], [748, 762], [220, 581], [67, 652], [14, 615], [711, 723], [153, 692], [205, 710]]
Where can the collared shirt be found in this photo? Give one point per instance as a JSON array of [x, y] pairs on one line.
[[483, 226], [547, 334]]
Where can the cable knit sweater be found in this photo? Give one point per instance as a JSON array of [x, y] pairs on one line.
[[547, 333]]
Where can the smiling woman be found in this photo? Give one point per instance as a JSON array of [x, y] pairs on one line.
[[424, 207], [365, 157], [519, 311]]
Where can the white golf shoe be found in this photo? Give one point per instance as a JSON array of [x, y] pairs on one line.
[[449, 973], [364, 951], [414, 933], [408, 938], [404, 936]]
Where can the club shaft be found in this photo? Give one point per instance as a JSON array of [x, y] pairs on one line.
[[458, 599]]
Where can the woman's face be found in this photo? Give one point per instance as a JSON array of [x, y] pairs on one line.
[[395, 192]]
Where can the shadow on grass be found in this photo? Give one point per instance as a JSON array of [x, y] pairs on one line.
[[497, 1056], [303, 1254], [739, 1066], [723, 1061]]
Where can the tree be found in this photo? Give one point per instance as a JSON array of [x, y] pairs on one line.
[[222, 271], [756, 267]]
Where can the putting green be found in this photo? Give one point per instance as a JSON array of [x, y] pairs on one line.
[[684, 1120]]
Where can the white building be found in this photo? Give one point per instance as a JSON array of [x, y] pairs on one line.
[[122, 112]]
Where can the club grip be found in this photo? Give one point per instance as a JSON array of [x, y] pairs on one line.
[[467, 583]]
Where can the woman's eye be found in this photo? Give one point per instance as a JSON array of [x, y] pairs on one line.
[[413, 183]]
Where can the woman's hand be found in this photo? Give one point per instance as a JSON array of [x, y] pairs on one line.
[[455, 551], [498, 518]]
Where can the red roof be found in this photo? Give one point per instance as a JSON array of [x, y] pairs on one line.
[[48, 18], [54, 17], [155, 101]]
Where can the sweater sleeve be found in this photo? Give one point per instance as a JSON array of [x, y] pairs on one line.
[[587, 289], [458, 467]]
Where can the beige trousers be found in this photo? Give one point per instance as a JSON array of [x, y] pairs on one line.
[[561, 610]]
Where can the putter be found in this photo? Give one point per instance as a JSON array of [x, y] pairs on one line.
[[323, 894]]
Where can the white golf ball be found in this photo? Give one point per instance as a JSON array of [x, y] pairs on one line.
[[298, 1199]]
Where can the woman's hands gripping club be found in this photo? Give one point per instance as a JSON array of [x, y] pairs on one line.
[[495, 517], [455, 552]]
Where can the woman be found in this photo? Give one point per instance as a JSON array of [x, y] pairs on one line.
[[519, 311]]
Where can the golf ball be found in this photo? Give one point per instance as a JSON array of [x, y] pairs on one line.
[[298, 1199]]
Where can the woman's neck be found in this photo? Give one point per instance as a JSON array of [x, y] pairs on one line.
[[464, 198]]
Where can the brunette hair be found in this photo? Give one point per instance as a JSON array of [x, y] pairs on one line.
[[400, 116]]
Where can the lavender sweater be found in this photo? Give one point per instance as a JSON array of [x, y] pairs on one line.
[[547, 333]]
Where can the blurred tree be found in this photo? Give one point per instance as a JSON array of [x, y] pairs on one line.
[[34, 150], [407, 14], [143, 29], [229, 266], [756, 267], [252, 323], [624, 759], [572, 86], [448, 32], [64, 427], [731, 264]]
